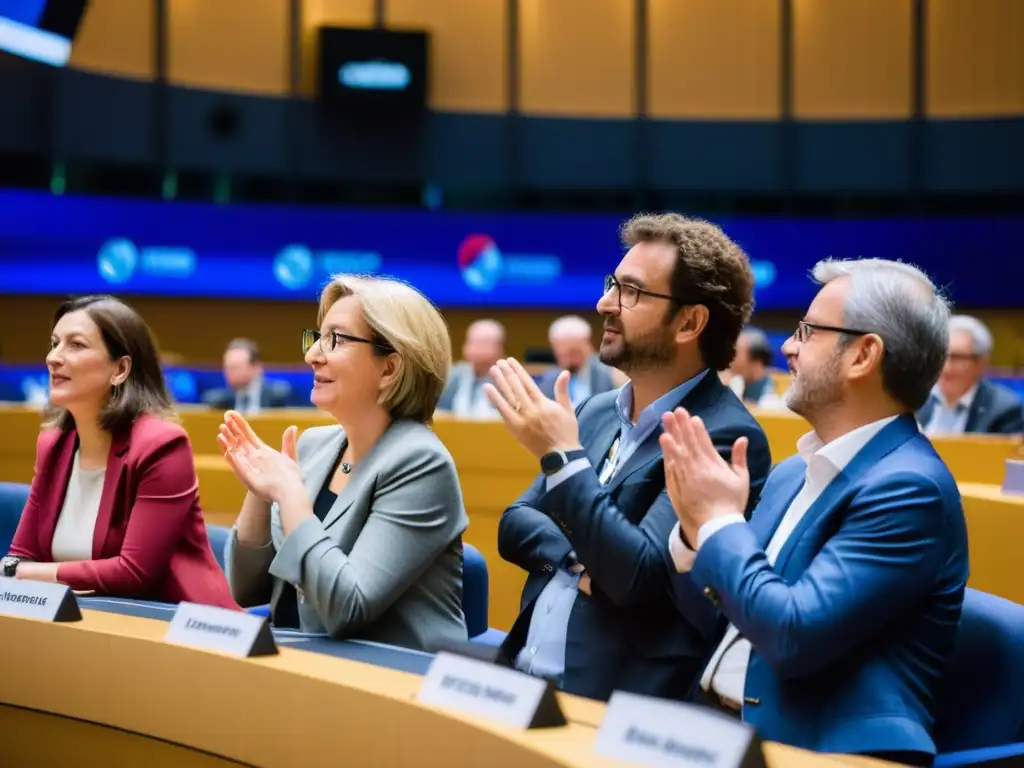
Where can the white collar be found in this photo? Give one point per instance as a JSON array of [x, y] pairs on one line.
[[966, 400], [840, 451]]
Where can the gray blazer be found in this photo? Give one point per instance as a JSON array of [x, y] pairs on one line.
[[386, 562]]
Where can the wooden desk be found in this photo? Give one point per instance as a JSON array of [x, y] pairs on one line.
[[296, 708], [995, 525]]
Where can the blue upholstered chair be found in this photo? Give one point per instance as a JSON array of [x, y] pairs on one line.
[[12, 501], [475, 598], [981, 712], [475, 589], [218, 535]]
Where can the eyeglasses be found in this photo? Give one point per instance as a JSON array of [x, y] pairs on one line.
[[629, 295], [332, 340], [804, 330]]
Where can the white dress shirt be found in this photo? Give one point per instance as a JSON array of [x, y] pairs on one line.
[[950, 418], [72, 537], [726, 672]]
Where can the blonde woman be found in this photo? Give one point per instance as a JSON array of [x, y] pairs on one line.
[[356, 529]]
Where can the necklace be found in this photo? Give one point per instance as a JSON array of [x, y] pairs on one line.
[[345, 467]]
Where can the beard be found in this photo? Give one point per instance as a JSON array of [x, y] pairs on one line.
[[813, 391], [647, 350]]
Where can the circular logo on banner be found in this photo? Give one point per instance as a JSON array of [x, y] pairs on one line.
[[480, 262], [293, 267], [117, 260]]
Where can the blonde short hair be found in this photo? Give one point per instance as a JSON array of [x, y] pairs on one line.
[[402, 318]]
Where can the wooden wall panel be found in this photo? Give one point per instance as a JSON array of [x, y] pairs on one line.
[[115, 38], [975, 58], [230, 45], [469, 51], [714, 60], [577, 57], [340, 13], [852, 59]]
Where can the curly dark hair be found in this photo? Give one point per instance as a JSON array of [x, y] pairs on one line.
[[711, 271]]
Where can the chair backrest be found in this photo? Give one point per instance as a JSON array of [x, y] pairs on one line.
[[982, 703], [475, 589], [218, 542], [12, 501]]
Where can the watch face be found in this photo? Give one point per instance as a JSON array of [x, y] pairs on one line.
[[552, 462]]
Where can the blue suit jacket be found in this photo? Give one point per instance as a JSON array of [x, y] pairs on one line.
[[644, 629], [852, 628]]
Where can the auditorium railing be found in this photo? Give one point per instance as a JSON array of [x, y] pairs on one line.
[[494, 470], [116, 674]]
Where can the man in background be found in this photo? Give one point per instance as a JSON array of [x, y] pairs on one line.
[[751, 380], [571, 342], [247, 391], [963, 400], [463, 394]]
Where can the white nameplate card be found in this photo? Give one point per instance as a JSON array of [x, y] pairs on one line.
[[1013, 481], [38, 600], [670, 734], [490, 691], [222, 630]]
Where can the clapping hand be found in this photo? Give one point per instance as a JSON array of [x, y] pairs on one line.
[[265, 472], [701, 484], [542, 425]]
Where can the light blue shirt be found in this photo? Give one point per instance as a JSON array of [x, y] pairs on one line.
[[579, 386], [544, 652]]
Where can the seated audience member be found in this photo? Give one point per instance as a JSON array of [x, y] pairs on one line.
[[603, 609], [751, 378], [356, 530], [114, 506], [463, 394], [844, 590], [570, 339], [248, 392], [963, 400]]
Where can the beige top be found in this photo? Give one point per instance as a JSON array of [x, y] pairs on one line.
[[72, 538]]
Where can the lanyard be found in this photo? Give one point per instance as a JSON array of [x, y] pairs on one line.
[[611, 464]]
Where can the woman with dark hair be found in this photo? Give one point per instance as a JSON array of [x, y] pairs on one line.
[[114, 506]]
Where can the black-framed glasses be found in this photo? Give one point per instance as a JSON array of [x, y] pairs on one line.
[[629, 294], [804, 330], [332, 340]]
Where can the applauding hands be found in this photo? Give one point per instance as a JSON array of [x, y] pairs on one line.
[[701, 484], [542, 425], [265, 472]]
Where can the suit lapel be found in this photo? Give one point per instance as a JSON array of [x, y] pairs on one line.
[[769, 512], [882, 444], [599, 442], [112, 479], [979, 407], [60, 464], [362, 474], [697, 400]]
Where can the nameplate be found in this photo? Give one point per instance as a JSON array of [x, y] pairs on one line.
[[1013, 480], [491, 692], [218, 629], [38, 600], [671, 734]]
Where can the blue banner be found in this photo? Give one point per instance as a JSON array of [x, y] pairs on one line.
[[62, 245]]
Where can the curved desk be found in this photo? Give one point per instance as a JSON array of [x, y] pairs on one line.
[[196, 708]]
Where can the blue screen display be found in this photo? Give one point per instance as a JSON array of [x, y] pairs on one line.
[[60, 245], [26, 12]]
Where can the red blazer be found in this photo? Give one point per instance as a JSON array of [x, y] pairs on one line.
[[150, 539]]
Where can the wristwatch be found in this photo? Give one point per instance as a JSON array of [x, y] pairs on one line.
[[10, 566], [556, 460]]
